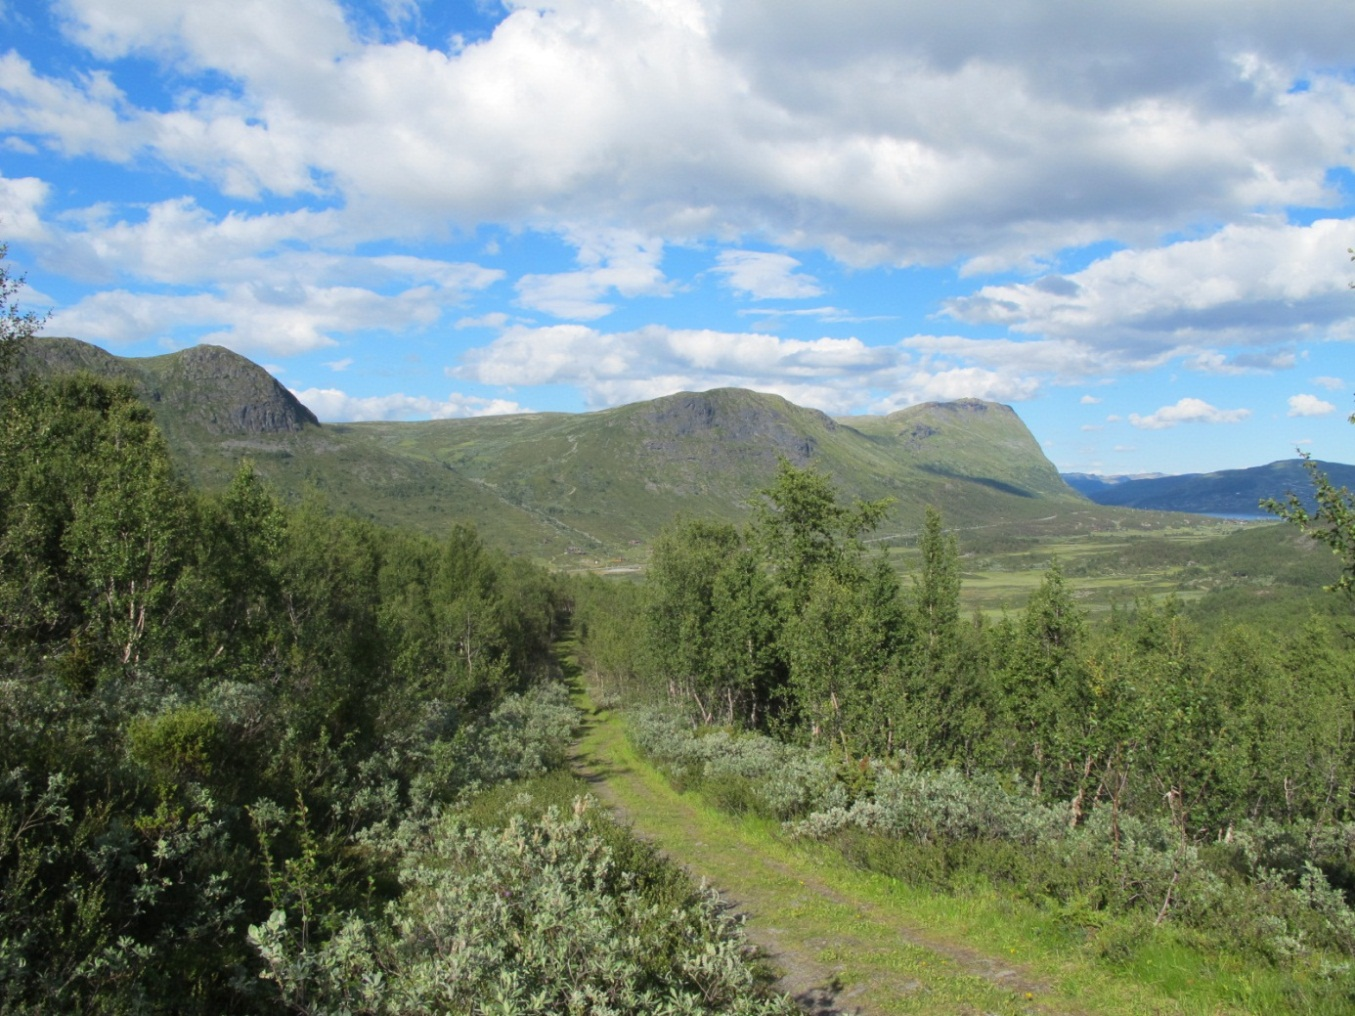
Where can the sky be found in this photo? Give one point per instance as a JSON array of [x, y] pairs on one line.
[[1129, 221]]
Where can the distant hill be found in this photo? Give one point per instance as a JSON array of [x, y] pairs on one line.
[[1236, 492], [206, 389], [619, 475], [1091, 483], [595, 488]]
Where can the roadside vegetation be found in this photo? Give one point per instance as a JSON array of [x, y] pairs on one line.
[[1157, 776], [250, 753]]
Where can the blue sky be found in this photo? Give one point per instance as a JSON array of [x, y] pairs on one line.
[[1129, 221]]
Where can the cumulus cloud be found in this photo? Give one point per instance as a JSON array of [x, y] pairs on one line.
[[1089, 400], [764, 275], [1332, 384], [21, 202], [1187, 410], [884, 133], [1309, 405], [983, 136], [334, 406], [255, 290], [281, 316], [613, 262], [837, 375], [1240, 286]]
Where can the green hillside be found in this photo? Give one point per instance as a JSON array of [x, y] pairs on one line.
[[619, 475], [592, 489]]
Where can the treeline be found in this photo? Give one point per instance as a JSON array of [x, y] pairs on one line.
[[236, 740], [792, 627]]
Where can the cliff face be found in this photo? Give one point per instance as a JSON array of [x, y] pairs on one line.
[[227, 394], [205, 387]]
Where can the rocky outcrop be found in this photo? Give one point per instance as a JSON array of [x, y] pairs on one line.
[[205, 387]]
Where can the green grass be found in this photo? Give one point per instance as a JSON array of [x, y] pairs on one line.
[[1110, 566], [895, 948]]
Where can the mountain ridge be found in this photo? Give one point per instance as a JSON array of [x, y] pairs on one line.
[[206, 386], [1234, 492], [598, 485]]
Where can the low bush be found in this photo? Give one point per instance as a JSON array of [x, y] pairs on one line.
[[541, 915], [746, 772], [1267, 889]]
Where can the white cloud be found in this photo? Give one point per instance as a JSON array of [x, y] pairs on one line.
[[613, 262], [255, 289], [339, 365], [883, 133], [836, 375], [494, 319], [1064, 360], [1309, 405], [832, 315], [282, 317], [84, 116], [1187, 410], [1240, 286], [1332, 384], [764, 275], [1089, 400], [334, 406], [21, 201]]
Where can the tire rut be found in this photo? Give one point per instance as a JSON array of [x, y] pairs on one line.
[[812, 973]]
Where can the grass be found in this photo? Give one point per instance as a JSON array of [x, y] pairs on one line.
[[888, 947], [1110, 566]]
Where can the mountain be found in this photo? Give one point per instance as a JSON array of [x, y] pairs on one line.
[[1091, 483], [618, 475], [1236, 492], [594, 487], [206, 389]]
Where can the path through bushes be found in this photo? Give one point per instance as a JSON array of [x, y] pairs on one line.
[[841, 937]]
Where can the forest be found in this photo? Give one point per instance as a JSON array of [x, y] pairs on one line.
[[257, 756], [253, 757]]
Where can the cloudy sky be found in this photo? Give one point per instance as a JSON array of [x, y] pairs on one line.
[[1129, 220]]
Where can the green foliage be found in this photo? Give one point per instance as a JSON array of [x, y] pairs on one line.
[[1333, 523], [1121, 882], [802, 530], [171, 665], [1142, 773], [176, 747], [16, 326], [533, 917], [748, 771]]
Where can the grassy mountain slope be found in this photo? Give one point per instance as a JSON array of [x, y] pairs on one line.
[[618, 475], [592, 488]]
